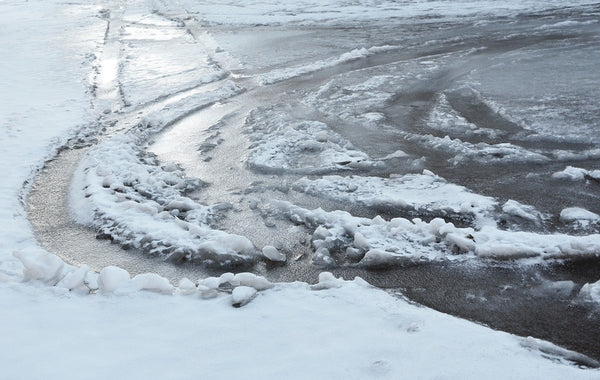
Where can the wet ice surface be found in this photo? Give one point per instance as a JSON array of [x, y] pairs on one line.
[[485, 112]]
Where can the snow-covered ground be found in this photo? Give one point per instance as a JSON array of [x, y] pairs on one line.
[[61, 77]]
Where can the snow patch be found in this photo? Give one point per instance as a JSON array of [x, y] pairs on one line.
[[282, 143], [423, 193]]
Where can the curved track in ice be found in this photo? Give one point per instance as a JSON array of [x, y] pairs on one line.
[[424, 99]]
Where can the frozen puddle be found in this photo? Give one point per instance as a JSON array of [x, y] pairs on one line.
[[404, 156]]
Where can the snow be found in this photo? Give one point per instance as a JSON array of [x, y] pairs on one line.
[[340, 238], [289, 331], [591, 292], [577, 174], [241, 295], [515, 208], [280, 142], [424, 193], [273, 254], [572, 214], [64, 321]]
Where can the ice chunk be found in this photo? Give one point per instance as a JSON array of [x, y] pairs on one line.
[[186, 286], [252, 280], [327, 281], [515, 208], [113, 278], [557, 352], [74, 279], [241, 295], [273, 253], [572, 173], [572, 214], [152, 282], [591, 291], [40, 265]]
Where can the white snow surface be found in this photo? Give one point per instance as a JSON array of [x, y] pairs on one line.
[[421, 192], [64, 321]]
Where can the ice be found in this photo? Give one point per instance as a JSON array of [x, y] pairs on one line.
[[572, 214], [423, 193], [517, 209], [558, 353], [273, 253], [328, 281], [577, 174], [40, 265], [48, 48], [464, 151], [591, 292], [250, 280], [187, 286], [75, 279], [113, 278], [241, 295], [152, 282], [124, 192]]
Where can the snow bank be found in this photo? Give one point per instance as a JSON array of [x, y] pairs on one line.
[[282, 143], [425, 193], [104, 335]]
